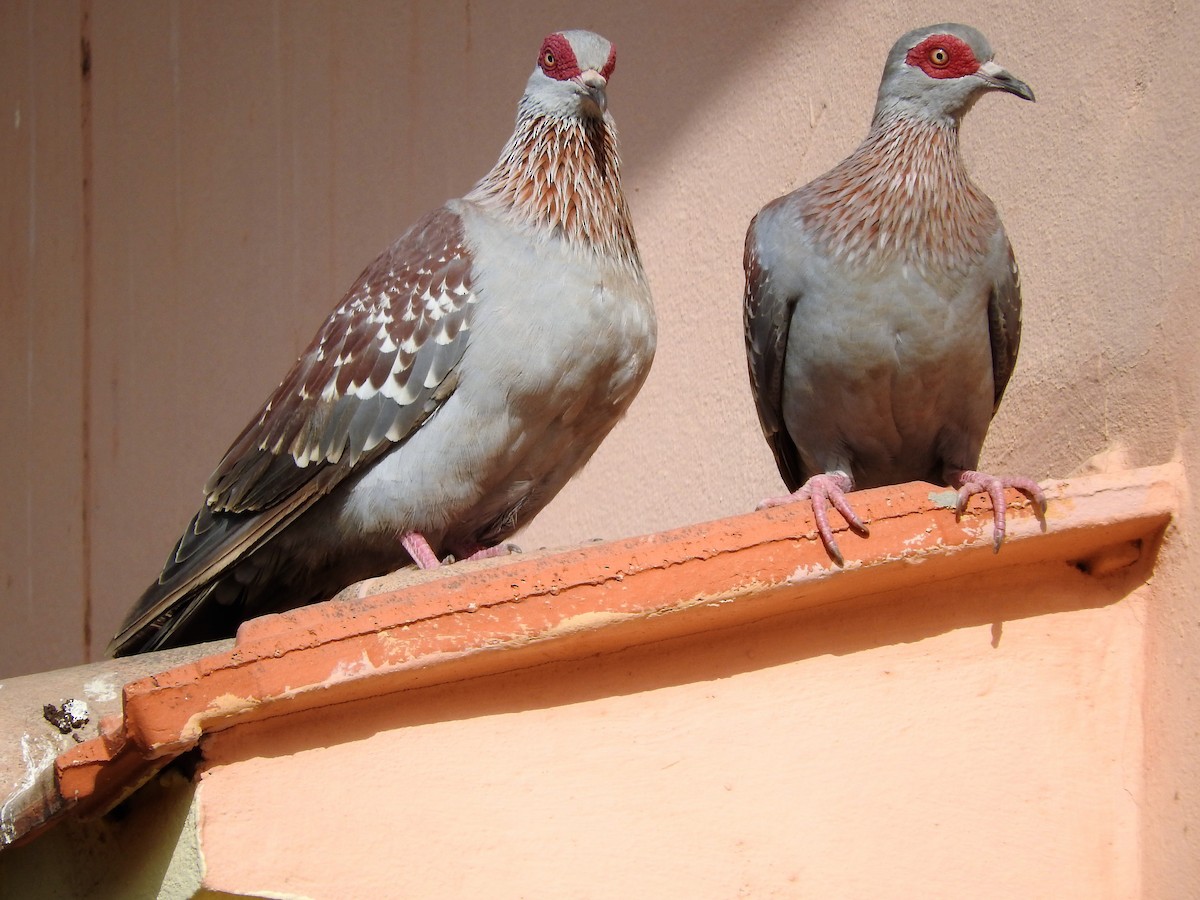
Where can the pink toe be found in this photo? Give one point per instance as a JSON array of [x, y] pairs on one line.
[[418, 548], [971, 482]]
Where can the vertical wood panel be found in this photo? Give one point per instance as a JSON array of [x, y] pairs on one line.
[[188, 231], [250, 160], [41, 338], [138, 350]]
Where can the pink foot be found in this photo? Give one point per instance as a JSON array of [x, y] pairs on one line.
[[823, 491], [970, 482], [422, 554], [420, 551], [492, 552]]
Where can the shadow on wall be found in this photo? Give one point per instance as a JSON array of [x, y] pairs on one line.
[[125, 853], [847, 628], [243, 164], [253, 159], [247, 161], [672, 59]]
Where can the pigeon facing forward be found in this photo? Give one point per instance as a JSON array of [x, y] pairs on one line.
[[468, 374], [882, 305]]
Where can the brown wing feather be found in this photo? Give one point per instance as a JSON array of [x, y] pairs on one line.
[[378, 368], [1004, 326], [371, 372], [767, 318]]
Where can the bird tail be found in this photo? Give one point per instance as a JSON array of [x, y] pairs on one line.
[[158, 633]]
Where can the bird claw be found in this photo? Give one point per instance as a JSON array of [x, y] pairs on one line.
[[422, 553], [971, 482], [493, 552], [823, 491]]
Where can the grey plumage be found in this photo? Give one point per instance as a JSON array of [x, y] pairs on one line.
[[882, 304]]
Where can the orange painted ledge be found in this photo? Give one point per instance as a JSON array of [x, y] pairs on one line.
[[475, 619]]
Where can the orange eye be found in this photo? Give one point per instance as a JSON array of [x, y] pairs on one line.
[[548, 59], [939, 57]]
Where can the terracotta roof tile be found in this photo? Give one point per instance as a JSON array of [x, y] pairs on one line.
[[413, 628]]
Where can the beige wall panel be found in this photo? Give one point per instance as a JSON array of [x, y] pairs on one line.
[[232, 204], [251, 161], [41, 338]]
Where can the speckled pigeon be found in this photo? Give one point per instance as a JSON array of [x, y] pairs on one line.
[[468, 374], [882, 306]]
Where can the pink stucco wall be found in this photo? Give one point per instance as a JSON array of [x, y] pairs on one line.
[[955, 740]]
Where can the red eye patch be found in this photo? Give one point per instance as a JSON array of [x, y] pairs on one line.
[[943, 56], [611, 63], [557, 59]]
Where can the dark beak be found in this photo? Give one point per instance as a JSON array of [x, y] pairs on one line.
[[1000, 79]]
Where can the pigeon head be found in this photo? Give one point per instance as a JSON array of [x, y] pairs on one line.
[[571, 76], [560, 171], [938, 72]]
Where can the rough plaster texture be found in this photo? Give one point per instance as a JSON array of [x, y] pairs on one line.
[[176, 226], [908, 746]]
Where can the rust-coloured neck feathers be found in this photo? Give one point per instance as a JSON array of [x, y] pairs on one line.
[[563, 174], [904, 193]]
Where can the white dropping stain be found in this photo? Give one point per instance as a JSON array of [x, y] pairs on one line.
[[351, 669], [17, 118], [820, 570], [76, 710], [103, 687], [37, 755]]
